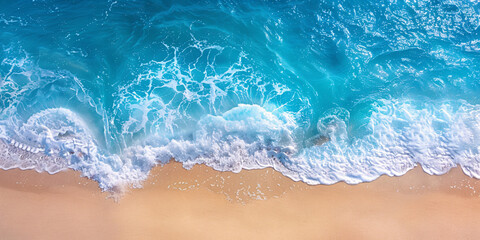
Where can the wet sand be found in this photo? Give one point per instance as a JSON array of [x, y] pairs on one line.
[[260, 204]]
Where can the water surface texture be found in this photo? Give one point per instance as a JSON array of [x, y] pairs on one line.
[[322, 91]]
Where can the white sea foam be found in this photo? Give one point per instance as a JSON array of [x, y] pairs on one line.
[[58, 139], [399, 135]]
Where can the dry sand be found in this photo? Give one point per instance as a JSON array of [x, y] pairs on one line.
[[260, 204]]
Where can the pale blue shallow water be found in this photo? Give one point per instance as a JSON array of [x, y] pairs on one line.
[[323, 91]]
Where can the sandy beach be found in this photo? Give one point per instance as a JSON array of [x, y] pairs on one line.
[[262, 204]]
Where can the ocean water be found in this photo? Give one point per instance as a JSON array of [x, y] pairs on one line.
[[322, 91]]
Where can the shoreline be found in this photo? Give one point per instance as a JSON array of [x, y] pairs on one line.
[[202, 203]]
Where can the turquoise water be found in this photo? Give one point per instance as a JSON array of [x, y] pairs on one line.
[[322, 91]]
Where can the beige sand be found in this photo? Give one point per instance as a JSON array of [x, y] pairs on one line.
[[180, 204]]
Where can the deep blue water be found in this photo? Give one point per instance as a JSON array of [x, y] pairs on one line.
[[323, 91]]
